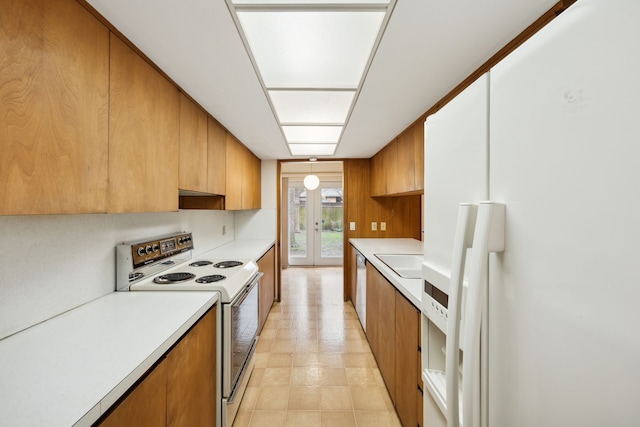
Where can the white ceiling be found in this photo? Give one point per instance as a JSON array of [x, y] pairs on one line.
[[428, 48]]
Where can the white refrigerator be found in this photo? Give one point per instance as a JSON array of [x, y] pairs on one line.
[[550, 306]]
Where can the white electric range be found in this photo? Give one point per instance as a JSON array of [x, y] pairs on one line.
[[166, 264]]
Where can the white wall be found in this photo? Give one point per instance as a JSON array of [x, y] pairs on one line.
[[53, 263]]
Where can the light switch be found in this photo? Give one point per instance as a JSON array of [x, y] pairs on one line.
[[383, 226], [374, 226], [352, 226]]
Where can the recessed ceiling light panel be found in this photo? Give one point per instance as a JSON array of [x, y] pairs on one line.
[[312, 149], [311, 48], [312, 134], [311, 107]]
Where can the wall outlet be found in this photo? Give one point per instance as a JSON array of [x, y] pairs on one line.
[[352, 226], [383, 226], [374, 226]]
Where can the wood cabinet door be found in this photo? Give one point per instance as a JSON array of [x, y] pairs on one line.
[[193, 147], [143, 135], [391, 172], [377, 175], [145, 405], [233, 182], [418, 155], [256, 182], [191, 376], [54, 88], [406, 362], [267, 290], [372, 319], [217, 158], [406, 161], [386, 355]]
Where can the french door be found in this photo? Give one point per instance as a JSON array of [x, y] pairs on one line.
[[316, 224]]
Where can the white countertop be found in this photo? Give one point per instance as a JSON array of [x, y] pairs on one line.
[[72, 368], [239, 249], [410, 288]]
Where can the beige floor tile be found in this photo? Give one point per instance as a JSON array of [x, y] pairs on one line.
[[272, 398], [276, 376], [368, 398], [330, 360], [364, 377], [284, 346], [305, 376], [306, 359], [268, 419], [268, 333], [243, 418], [286, 334], [372, 419], [332, 376], [304, 398], [256, 377], [304, 419], [280, 360], [331, 346], [358, 360], [335, 399], [264, 345], [261, 359], [306, 346], [249, 398], [338, 419], [314, 366]]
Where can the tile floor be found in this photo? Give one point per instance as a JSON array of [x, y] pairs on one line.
[[314, 366]]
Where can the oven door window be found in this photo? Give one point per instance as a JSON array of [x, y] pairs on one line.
[[244, 328]]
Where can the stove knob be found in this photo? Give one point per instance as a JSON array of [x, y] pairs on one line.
[[148, 249], [155, 247], [179, 240], [140, 250]]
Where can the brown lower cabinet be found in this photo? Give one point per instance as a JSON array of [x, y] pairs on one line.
[[267, 289], [394, 336], [181, 388]]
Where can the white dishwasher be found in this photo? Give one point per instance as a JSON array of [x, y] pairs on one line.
[[361, 289]]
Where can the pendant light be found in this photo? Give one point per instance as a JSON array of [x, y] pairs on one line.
[[311, 181]]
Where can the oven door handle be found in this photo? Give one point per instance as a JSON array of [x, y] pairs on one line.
[[240, 298]]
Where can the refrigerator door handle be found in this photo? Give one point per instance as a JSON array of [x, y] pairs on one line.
[[488, 237], [463, 240]]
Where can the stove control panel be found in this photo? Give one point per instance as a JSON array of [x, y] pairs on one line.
[[148, 252]]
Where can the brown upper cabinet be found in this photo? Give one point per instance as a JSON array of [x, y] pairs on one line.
[[243, 177], [144, 116], [193, 147], [54, 88], [398, 168], [217, 158]]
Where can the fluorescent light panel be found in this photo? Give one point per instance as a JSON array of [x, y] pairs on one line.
[[312, 149], [311, 48], [312, 134], [270, 2], [311, 107]]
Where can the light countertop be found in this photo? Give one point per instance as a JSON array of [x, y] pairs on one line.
[[72, 368], [410, 288], [239, 249]]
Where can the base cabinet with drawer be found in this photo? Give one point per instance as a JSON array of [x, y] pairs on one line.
[[394, 337], [180, 390]]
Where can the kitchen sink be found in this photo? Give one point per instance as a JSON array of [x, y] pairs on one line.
[[408, 266]]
